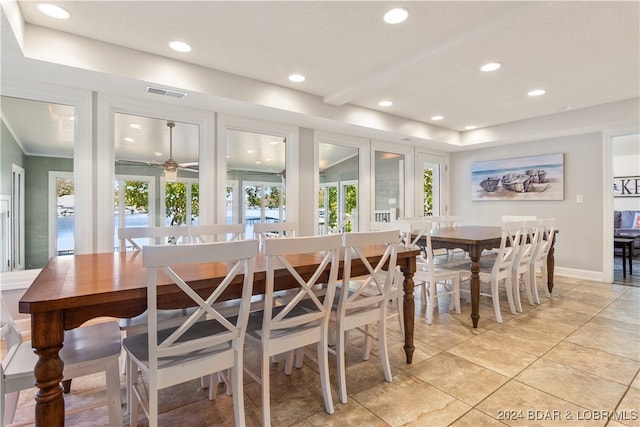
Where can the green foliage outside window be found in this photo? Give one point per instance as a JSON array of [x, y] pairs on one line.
[[176, 202], [428, 192]]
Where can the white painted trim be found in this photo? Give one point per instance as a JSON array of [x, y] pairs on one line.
[[364, 187], [81, 101], [592, 276], [107, 107], [607, 197], [407, 186]]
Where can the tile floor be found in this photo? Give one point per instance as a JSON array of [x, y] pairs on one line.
[[571, 361]]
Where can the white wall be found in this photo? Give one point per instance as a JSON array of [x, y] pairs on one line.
[[579, 242]]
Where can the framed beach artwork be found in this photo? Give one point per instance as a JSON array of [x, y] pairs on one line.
[[520, 178]]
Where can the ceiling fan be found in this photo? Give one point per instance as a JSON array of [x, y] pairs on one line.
[[170, 166]]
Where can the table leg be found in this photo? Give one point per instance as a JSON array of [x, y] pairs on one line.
[[408, 307], [47, 335], [631, 258], [474, 288], [551, 263], [624, 260]]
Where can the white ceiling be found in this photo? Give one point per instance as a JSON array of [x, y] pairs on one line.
[[584, 53]]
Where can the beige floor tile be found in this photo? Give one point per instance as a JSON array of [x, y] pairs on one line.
[[517, 404], [596, 362], [573, 385], [351, 414], [619, 338], [421, 404], [622, 311], [551, 321], [514, 336], [458, 377], [628, 411], [636, 382], [581, 302], [499, 358], [475, 418]]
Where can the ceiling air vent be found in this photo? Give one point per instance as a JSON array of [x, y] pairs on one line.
[[166, 92]]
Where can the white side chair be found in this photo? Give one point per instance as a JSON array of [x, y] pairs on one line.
[[87, 350], [196, 348], [362, 299], [539, 261], [396, 293], [498, 270], [264, 231], [520, 271], [437, 280], [136, 237], [300, 319], [216, 233], [517, 218]]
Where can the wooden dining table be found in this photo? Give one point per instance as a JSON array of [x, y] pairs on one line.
[[73, 289], [473, 239]]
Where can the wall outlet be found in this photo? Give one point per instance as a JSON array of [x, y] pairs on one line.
[[579, 198]]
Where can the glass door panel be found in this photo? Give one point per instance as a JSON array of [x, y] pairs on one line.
[[131, 206], [338, 195], [256, 167], [389, 185]]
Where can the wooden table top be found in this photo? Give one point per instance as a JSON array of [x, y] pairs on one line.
[[69, 282]]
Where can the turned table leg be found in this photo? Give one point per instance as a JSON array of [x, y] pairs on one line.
[[46, 337], [408, 307]]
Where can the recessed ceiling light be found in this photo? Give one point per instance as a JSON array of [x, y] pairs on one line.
[[537, 92], [491, 66], [258, 162], [180, 46], [470, 127], [128, 139], [385, 103], [274, 142], [567, 108], [437, 117], [250, 151], [158, 154], [135, 126], [54, 11], [296, 78], [396, 16]]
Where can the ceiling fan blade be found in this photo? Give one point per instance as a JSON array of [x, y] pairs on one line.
[[137, 162]]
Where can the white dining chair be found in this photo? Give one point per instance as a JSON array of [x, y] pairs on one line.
[[520, 270], [539, 261], [270, 230], [497, 269], [362, 298], [396, 293], [87, 350], [196, 348], [438, 280], [301, 317], [136, 237], [216, 233]]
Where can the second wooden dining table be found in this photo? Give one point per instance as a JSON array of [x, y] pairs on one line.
[[73, 289], [473, 239]]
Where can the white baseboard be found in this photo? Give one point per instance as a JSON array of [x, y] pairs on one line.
[[592, 276]]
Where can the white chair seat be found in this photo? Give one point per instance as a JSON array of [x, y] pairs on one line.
[[137, 345], [166, 318], [87, 350]]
